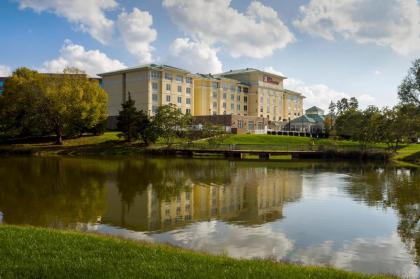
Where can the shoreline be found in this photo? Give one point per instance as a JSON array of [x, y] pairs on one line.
[[110, 145]]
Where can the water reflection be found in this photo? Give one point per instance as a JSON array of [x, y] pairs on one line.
[[167, 195], [362, 218], [393, 188]]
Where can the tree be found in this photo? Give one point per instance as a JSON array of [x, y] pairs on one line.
[[75, 104], [353, 103], [348, 124], [128, 120], [35, 104], [146, 128], [409, 90], [22, 108], [170, 122]]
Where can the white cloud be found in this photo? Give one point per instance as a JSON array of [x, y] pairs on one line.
[[236, 241], [320, 95], [5, 71], [137, 33], [90, 61], [393, 23], [194, 56], [256, 33], [377, 72], [89, 15]]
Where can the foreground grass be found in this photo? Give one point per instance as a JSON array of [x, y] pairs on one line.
[[40, 253]]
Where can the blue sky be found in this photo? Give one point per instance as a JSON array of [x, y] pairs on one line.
[[327, 49]]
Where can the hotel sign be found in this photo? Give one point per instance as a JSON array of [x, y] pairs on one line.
[[268, 79]]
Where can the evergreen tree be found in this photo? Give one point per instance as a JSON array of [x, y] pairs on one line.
[[128, 119]]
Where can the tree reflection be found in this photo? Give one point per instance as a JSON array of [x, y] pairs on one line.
[[55, 192], [398, 189]]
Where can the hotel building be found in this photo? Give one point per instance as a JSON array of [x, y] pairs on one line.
[[150, 86], [255, 96], [267, 97]]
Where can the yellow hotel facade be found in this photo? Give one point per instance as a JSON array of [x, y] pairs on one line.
[[245, 92]]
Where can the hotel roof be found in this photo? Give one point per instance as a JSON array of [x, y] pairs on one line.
[[146, 66], [250, 70]]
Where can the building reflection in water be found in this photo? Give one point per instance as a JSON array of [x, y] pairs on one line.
[[253, 196]]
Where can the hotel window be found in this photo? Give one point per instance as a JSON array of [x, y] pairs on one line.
[[225, 86], [214, 105], [168, 98], [214, 94], [188, 80], [232, 88], [238, 98], [245, 90], [239, 89], [261, 109], [188, 111], [155, 97], [261, 100], [214, 85], [168, 76], [260, 125], [238, 107], [168, 87], [232, 97], [179, 79], [224, 105], [154, 85], [245, 108], [155, 75], [188, 90], [250, 125], [240, 124], [154, 109], [179, 100], [232, 106], [188, 101], [224, 96], [245, 99], [179, 89]]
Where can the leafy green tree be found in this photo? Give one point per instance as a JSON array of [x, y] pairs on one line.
[[170, 123], [22, 107], [348, 124], [128, 120], [74, 103], [35, 104], [409, 90]]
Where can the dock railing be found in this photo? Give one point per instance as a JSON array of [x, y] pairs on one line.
[[271, 147]]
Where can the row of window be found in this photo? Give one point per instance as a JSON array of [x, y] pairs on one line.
[[168, 76], [155, 86], [232, 106], [260, 125], [187, 111], [168, 99], [232, 97]]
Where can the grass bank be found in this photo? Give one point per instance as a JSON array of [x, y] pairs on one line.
[[107, 144], [410, 153], [40, 253]]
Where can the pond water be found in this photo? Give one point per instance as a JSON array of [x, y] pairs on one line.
[[350, 216]]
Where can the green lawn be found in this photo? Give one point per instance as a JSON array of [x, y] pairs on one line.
[[40, 253], [409, 153], [288, 140]]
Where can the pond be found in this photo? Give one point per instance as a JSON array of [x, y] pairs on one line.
[[350, 216]]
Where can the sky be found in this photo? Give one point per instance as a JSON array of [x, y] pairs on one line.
[[328, 49]]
